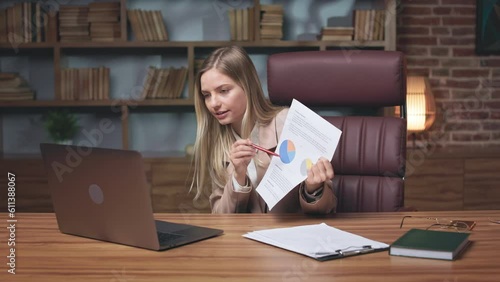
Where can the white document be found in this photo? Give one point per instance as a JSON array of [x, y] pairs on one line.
[[305, 138], [317, 241]]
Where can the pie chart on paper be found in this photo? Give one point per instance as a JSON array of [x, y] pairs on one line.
[[305, 166], [287, 151]]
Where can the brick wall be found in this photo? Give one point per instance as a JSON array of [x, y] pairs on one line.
[[438, 38]]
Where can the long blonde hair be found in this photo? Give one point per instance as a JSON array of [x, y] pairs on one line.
[[213, 140]]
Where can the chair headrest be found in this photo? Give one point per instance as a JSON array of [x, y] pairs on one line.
[[338, 78]]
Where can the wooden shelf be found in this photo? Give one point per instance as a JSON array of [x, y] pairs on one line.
[[61, 54], [149, 156], [161, 102], [30, 104], [190, 44], [40, 45], [94, 103], [20, 157], [159, 156], [125, 44]]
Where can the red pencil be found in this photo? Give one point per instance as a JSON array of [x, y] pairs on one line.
[[264, 150]]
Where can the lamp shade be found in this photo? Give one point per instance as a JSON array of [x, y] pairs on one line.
[[420, 105]]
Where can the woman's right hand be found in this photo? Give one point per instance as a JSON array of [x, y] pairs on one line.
[[240, 156]]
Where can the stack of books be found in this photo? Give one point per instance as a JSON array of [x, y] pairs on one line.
[[85, 84], [337, 33], [73, 23], [164, 83], [147, 25], [14, 87], [24, 22], [369, 24], [241, 24], [271, 22], [104, 20]]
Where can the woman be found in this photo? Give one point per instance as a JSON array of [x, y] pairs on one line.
[[232, 113]]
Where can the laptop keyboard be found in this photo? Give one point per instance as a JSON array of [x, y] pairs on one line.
[[165, 238]]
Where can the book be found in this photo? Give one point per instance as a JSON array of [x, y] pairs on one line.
[[445, 245]]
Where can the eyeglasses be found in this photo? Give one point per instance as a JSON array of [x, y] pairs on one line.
[[441, 223], [494, 220]]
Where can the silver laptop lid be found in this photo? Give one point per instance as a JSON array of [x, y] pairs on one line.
[[101, 194]]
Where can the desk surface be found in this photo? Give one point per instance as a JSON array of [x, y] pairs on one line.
[[44, 254]]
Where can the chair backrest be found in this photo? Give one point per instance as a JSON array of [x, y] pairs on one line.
[[369, 162]]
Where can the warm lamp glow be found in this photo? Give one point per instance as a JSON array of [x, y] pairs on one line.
[[421, 109]]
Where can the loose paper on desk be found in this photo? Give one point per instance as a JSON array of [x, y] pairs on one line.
[[305, 138], [316, 241]]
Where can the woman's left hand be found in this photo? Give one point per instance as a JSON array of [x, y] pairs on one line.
[[320, 172]]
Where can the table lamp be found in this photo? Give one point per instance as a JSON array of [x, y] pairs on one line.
[[420, 105]]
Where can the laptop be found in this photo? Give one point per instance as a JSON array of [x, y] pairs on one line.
[[103, 194]]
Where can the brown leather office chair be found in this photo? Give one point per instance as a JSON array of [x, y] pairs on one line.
[[369, 162]]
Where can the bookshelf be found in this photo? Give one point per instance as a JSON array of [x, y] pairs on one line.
[[180, 47], [194, 27]]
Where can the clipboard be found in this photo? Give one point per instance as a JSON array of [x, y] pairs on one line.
[[319, 241], [351, 252]]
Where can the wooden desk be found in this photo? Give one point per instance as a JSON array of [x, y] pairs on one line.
[[44, 254]]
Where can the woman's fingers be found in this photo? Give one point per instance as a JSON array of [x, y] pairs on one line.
[[241, 153], [320, 172], [326, 168], [242, 148]]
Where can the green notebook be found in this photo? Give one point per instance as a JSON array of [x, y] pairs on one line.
[[430, 244]]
